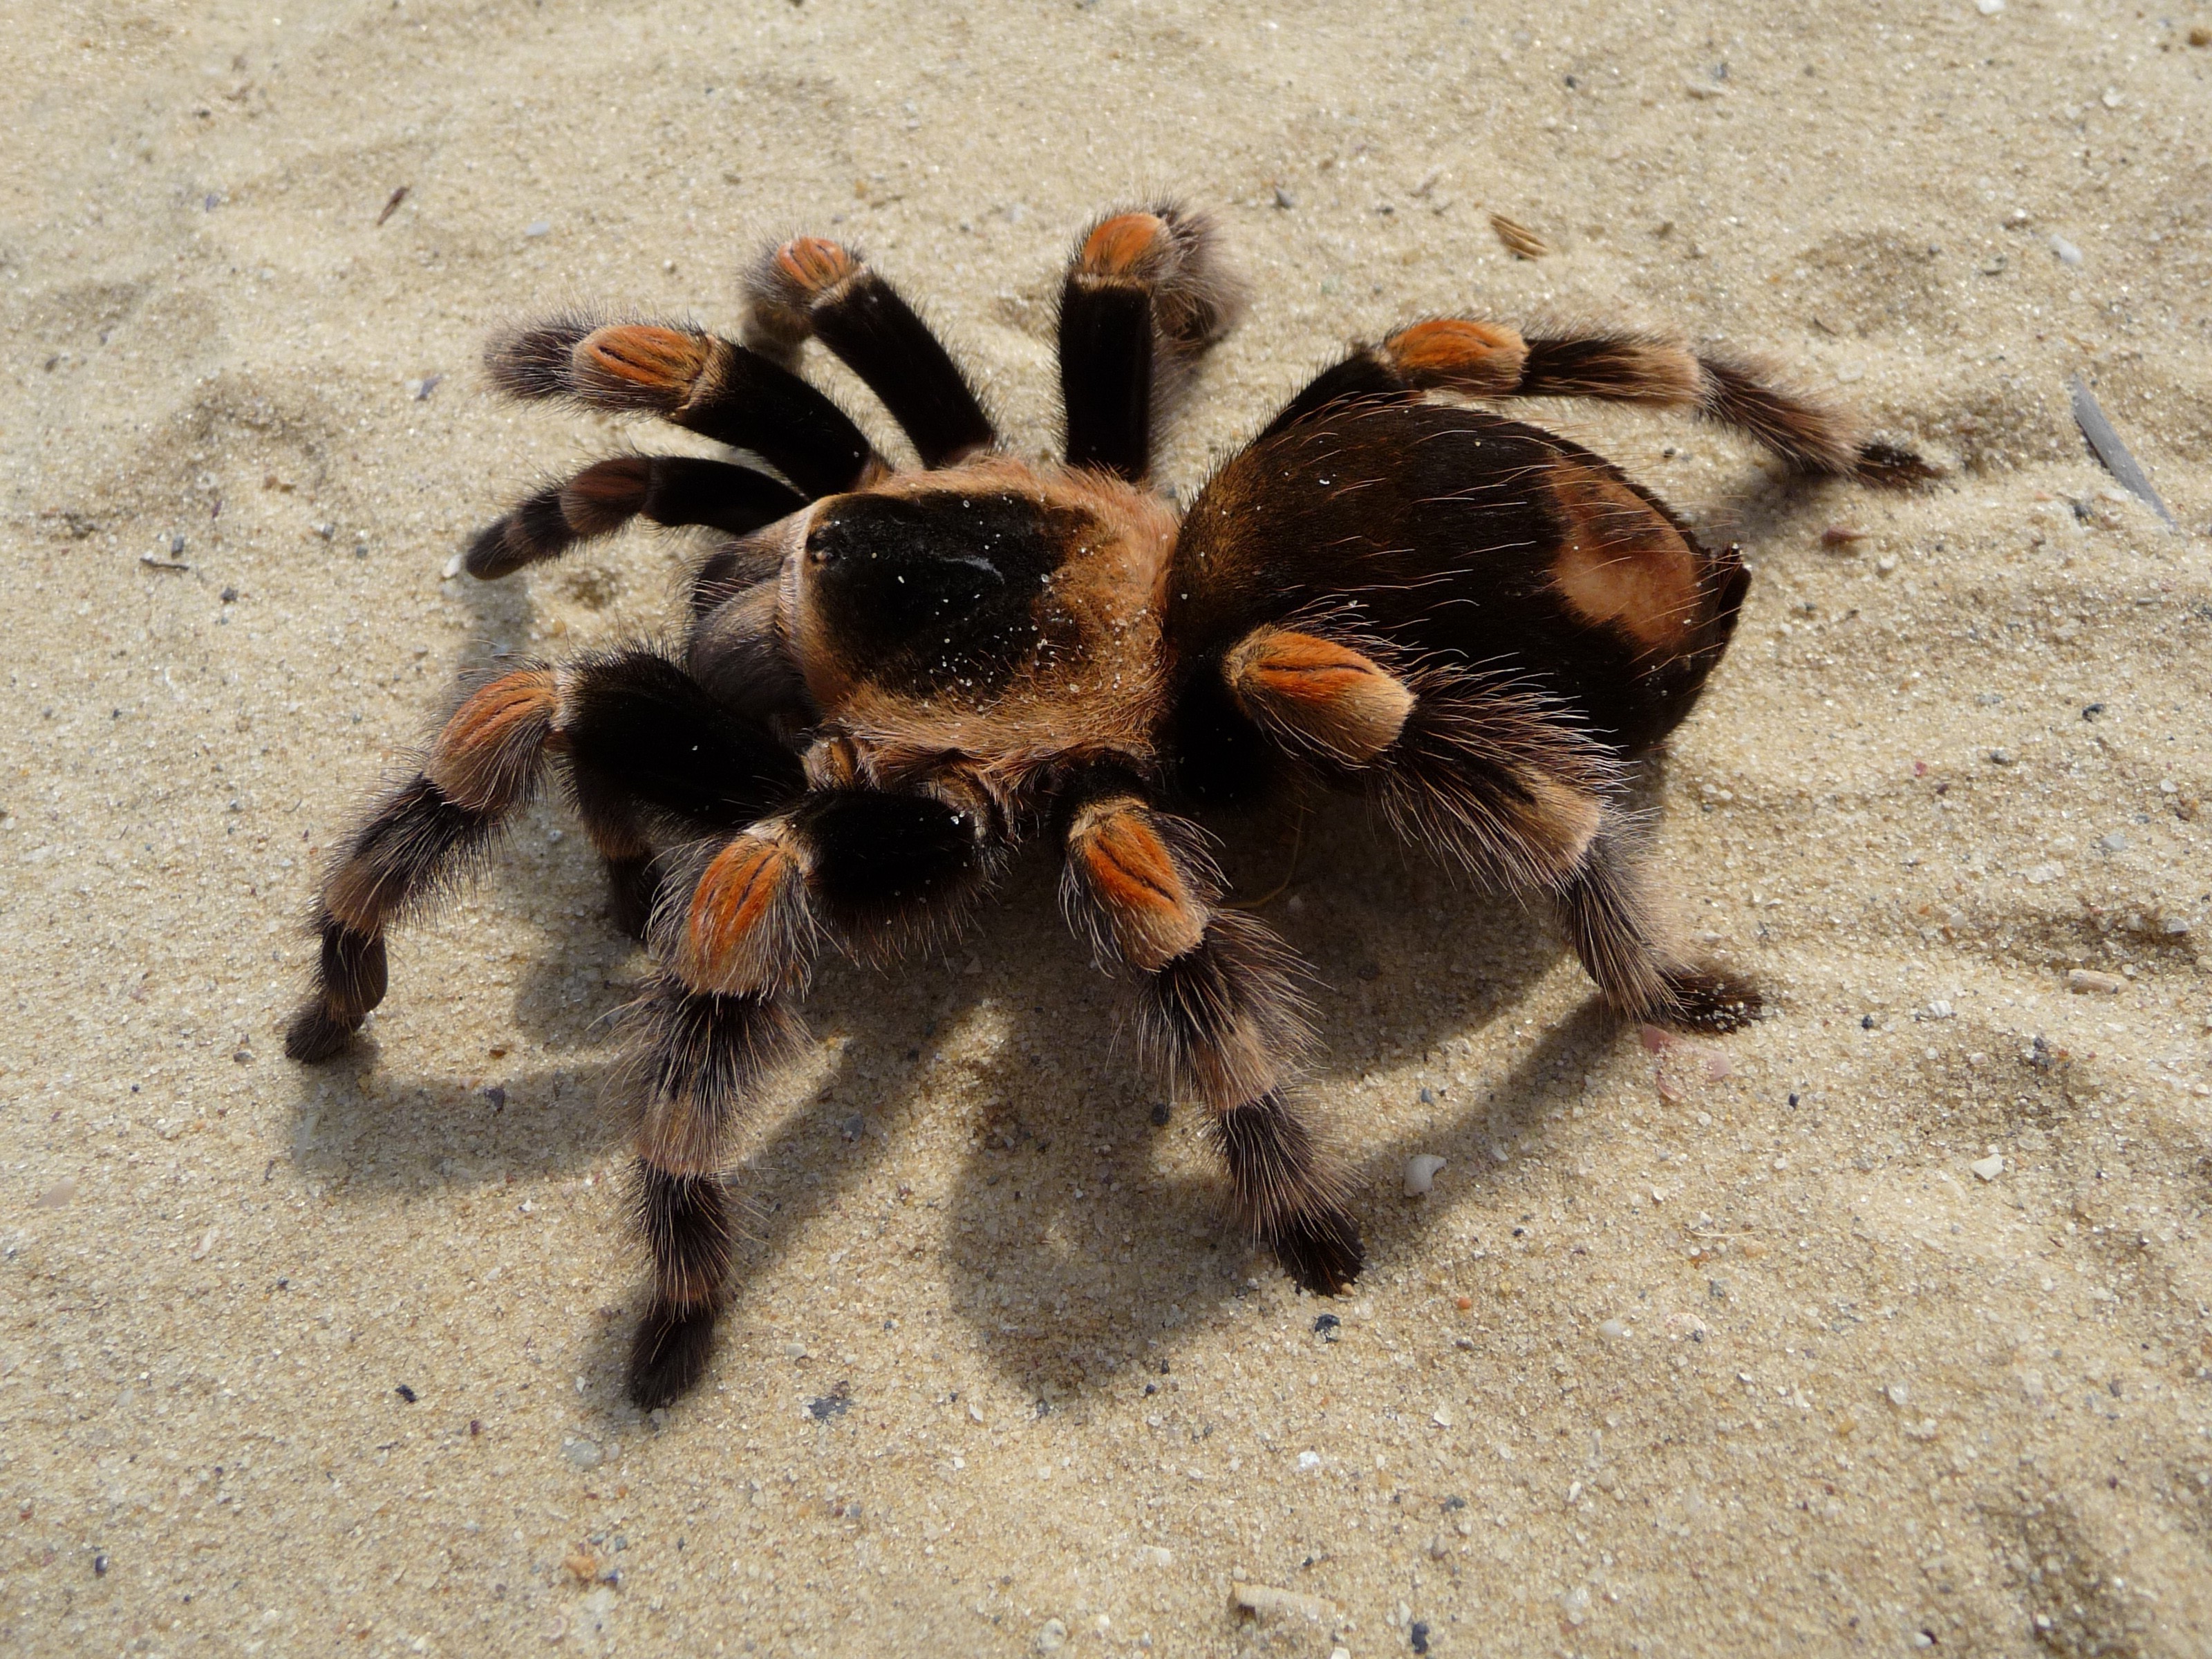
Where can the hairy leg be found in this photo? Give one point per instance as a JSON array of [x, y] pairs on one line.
[[1609, 916], [639, 739], [811, 286], [1490, 777], [1144, 296], [713, 386], [1489, 360], [667, 489], [1220, 1008], [736, 929]]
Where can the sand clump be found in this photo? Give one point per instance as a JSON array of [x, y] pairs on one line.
[[1882, 1325]]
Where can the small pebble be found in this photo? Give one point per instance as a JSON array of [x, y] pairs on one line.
[[1051, 1636], [1307, 1460], [61, 1193], [538, 227], [1417, 1635], [1899, 1394], [405, 1393], [1613, 1330], [2067, 253], [1421, 1173], [1284, 199], [1989, 1167], [582, 1453], [1841, 535], [1442, 1416], [2083, 980], [1988, 7]]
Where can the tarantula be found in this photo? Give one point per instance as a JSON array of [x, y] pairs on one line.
[[891, 678]]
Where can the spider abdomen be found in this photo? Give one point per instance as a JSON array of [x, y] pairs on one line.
[[1453, 534]]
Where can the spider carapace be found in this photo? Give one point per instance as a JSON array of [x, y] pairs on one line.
[[891, 678]]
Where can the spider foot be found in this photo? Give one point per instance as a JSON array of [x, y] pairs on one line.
[[669, 1355], [1320, 1250], [315, 1034], [1706, 999]]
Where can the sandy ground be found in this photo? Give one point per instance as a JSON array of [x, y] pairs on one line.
[[1881, 1326]]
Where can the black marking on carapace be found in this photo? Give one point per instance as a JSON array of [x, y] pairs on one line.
[[936, 591]]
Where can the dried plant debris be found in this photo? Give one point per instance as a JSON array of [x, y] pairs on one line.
[[2104, 444], [1519, 239]]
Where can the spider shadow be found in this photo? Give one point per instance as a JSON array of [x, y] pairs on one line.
[[1079, 1238], [1083, 1243]]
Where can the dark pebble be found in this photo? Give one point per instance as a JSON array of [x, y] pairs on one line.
[[1454, 1503], [1866, 1022], [405, 1393], [99, 1564], [1161, 1113], [496, 1096], [1418, 1636], [835, 1403], [1326, 1327]]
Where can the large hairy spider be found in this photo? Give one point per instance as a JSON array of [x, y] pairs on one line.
[[890, 679]]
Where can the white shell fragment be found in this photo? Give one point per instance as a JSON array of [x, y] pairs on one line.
[[1421, 1173], [1263, 1599], [1989, 1167]]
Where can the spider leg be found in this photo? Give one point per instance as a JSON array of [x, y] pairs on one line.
[[1490, 775], [640, 742], [1220, 1007], [813, 287], [668, 489], [1608, 920], [1489, 360], [710, 385], [1144, 296], [736, 929]]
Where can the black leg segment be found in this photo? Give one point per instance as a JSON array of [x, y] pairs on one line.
[[811, 286]]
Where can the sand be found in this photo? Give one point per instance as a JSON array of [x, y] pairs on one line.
[[1882, 1325]]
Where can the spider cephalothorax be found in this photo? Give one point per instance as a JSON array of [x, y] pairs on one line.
[[891, 679]]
